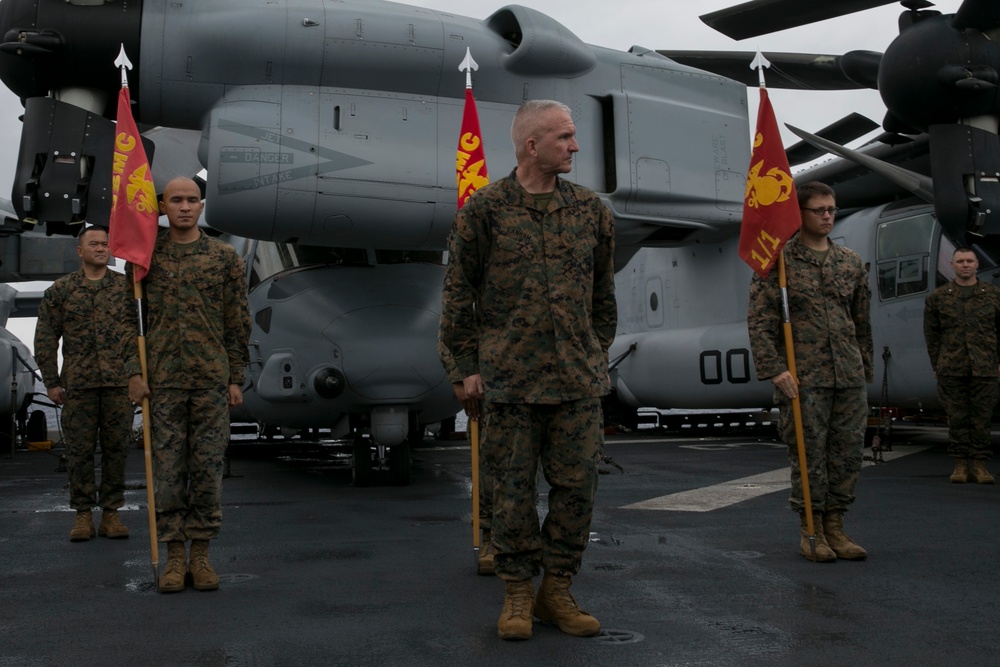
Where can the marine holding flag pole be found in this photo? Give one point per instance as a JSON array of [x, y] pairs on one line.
[[132, 235], [771, 216], [470, 175]]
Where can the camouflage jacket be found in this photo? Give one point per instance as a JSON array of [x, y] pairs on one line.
[[94, 320], [962, 331], [198, 321], [529, 295], [830, 310]]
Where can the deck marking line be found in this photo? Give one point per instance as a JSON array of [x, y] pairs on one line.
[[717, 496]]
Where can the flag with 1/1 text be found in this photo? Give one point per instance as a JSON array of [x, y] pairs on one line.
[[470, 159], [134, 211], [770, 208]]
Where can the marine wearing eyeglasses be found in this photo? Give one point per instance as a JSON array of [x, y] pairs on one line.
[[829, 303]]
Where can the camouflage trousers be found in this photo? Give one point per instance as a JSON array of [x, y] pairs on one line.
[[567, 440], [487, 479], [969, 403], [190, 431], [88, 416], [833, 429]]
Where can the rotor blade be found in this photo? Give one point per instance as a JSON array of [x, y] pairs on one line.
[[918, 184], [983, 15], [795, 71], [892, 139], [762, 17], [843, 131]]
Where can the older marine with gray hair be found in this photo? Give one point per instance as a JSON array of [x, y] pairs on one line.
[[528, 316]]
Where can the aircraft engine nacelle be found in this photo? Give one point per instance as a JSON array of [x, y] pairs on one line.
[[276, 174]]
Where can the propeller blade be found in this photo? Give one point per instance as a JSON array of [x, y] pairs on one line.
[[918, 184], [892, 139], [843, 131], [983, 15], [795, 71], [762, 17]]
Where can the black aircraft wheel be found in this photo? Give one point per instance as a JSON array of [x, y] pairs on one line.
[[399, 465], [361, 467], [447, 428]]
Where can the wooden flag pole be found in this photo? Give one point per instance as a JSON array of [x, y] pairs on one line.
[[796, 407], [474, 445], [147, 443]]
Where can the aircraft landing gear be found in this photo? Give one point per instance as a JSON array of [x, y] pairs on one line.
[[362, 467], [399, 465], [382, 445], [371, 461]]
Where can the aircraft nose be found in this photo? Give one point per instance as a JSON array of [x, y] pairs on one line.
[[49, 45], [389, 351]]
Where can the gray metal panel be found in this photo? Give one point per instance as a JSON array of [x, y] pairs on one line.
[[683, 126]]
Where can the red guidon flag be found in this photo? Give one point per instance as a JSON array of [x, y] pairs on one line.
[[770, 208], [134, 212], [470, 159]]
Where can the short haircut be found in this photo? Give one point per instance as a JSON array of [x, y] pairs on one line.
[[92, 228], [962, 248], [807, 191], [526, 121]]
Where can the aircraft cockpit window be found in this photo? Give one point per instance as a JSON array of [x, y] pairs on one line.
[[273, 258], [903, 256], [409, 256]]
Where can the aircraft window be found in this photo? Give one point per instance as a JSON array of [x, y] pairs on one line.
[[903, 276], [272, 258], [409, 256], [909, 236], [904, 248]]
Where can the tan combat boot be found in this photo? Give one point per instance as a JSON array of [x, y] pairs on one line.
[[172, 579], [202, 574], [111, 525], [83, 528], [979, 473], [961, 473], [824, 554], [485, 559], [555, 603], [515, 617], [842, 545]]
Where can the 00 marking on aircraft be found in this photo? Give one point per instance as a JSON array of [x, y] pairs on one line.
[[718, 496]]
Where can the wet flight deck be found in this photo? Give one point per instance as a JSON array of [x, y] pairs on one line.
[[693, 560]]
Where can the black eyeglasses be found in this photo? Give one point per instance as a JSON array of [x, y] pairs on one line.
[[820, 210]]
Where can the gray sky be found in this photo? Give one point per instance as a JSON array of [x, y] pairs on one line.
[[654, 24]]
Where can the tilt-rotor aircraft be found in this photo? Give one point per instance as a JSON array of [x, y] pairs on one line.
[[929, 182], [328, 133]]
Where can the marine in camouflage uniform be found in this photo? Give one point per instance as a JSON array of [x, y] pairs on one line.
[[196, 341], [961, 325], [90, 311], [528, 316], [829, 300]]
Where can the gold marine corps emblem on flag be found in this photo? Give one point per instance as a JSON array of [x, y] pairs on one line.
[[774, 187]]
